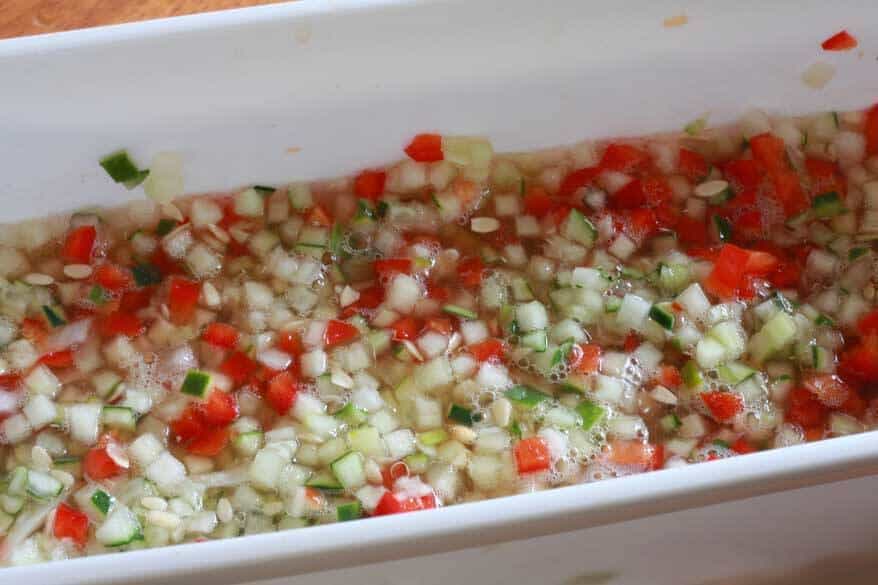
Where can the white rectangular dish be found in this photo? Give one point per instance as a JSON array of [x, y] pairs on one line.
[[316, 89]]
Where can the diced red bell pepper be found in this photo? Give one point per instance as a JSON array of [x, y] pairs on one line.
[[632, 342], [221, 335], [425, 148], [643, 224], [239, 367], [281, 392], [182, 300], [370, 185], [769, 150], [788, 192], [531, 455], [623, 158], [657, 191], [589, 359], [120, 323], [437, 292], [134, 300], [743, 174], [406, 328], [79, 245], [290, 342], [10, 381], [804, 409], [98, 465], [742, 447], [830, 390], [691, 232], [723, 406], [470, 271], [631, 196], [576, 180], [487, 350], [58, 359], [635, 453], [319, 216], [112, 278], [34, 330], [70, 523], [871, 130], [391, 504], [840, 41], [339, 333], [748, 225], [370, 298], [390, 473], [386, 267], [439, 325], [189, 425], [537, 202], [220, 408], [210, 443], [860, 362], [868, 323], [733, 268], [692, 165], [825, 176], [669, 376]]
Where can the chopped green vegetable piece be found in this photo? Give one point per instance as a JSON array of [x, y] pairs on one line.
[[434, 437], [54, 316], [526, 396], [101, 501], [352, 415], [324, 480], [612, 304], [515, 430], [562, 352], [723, 196], [120, 168], [146, 274], [196, 383], [522, 187], [463, 416], [824, 321], [663, 315], [723, 228], [827, 205], [165, 226], [459, 311], [264, 189], [696, 127], [590, 412], [97, 294], [670, 423], [382, 208], [364, 210], [720, 443], [692, 375], [856, 253], [348, 511]]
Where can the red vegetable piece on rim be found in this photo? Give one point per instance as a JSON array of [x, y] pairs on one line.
[[70, 523], [723, 406], [370, 184], [98, 465], [425, 148], [840, 41], [79, 244], [531, 455]]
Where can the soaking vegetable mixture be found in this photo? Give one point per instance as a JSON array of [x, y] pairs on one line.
[[457, 326]]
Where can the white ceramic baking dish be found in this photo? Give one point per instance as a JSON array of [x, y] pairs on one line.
[[320, 88]]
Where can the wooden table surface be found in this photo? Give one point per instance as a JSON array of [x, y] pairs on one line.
[[30, 17]]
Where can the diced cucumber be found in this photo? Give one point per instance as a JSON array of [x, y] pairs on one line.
[[709, 352], [723, 228], [300, 196], [674, 277], [535, 340], [459, 311], [248, 443], [561, 353], [575, 384], [417, 463], [691, 375], [348, 511], [249, 203], [521, 290], [670, 423], [613, 304], [42, 485], [54, 315], [324, 480], [579, 228], [526, 396], [774, 336], [827, 205], [432, 438], [196, 383], [367, 440], [591, 413], [119, 417], [313, 237], [101, 502], [821, 359], [70, 464], [463, 416], [352, 415], [11, 504], [734, 372], [120, 528], [349, 470], [662, 314], [146, 274]]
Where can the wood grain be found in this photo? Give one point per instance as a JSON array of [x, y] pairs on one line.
[[30, 17]]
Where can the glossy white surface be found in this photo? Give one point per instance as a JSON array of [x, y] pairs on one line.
[[348, 82]]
